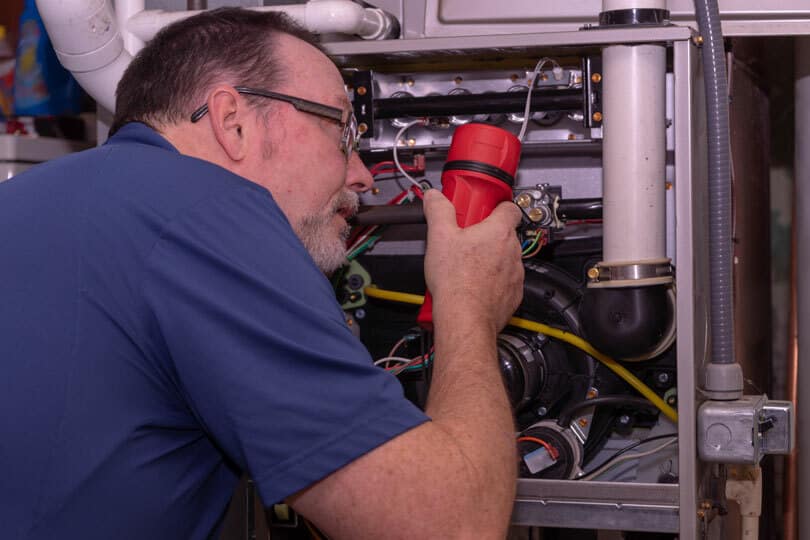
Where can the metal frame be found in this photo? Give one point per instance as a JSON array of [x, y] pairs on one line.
[[597, 505], [609, 505]]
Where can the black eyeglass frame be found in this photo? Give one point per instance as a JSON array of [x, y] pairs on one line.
[[345, 119]]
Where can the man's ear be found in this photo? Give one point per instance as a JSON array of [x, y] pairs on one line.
[[228, 115]]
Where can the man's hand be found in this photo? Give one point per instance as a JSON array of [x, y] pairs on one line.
[[462, 465], [475, 271]]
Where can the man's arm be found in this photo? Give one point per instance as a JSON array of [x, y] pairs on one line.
[[452, 477]]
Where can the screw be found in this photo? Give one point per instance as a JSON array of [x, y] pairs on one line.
[[458, 80], [593, 273], [362, 128], [624, 419], [668, 186], [411, 142], [698, 40], [597, 116], [592, 393], [583, 422], [523, 200], [663, 377], [355, 281], [536, 214], [542, 411], [375, 191], [701, 514], [360, 314], [409, 82], [672, 400], [596, 78], [361, 90], [706, 505]]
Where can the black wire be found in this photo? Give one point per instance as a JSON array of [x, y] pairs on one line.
[[567, 415], [628, 448]]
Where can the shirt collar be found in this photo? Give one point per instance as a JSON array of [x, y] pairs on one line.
[[136, 132]]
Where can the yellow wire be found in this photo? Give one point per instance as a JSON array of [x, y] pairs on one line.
[[562, 335]]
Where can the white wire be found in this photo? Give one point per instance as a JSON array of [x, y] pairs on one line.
[[621, 459], [396, 159], [397, 359], [536, 73], [397, 345]]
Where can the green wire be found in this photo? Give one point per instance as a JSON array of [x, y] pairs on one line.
[[533, 244], [420, 365], [362, 247]]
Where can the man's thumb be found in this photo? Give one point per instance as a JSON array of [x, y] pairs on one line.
[[439, 211]]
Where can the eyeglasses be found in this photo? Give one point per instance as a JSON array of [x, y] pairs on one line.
[[349, 141]]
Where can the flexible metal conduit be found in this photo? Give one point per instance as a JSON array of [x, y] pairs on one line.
[[714, 65]]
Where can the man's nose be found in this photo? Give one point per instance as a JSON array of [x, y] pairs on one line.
[[358, 177]]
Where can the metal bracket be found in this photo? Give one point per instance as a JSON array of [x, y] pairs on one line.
[[656, 270], [363, 84], [592, 91]]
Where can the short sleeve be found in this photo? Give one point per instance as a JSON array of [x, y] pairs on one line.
[[260, 347]]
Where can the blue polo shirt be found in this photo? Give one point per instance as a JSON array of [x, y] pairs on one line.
[[162, 330]]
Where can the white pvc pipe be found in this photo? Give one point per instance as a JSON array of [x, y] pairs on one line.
[[124, 10], [320, 17], [612, 5], [634, 153], [87, 42]]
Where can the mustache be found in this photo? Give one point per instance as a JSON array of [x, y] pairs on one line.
[[347, 203]]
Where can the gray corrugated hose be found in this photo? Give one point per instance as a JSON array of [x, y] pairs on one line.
[[720, 246]]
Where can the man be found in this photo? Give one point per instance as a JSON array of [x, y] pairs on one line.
[[166, 324]]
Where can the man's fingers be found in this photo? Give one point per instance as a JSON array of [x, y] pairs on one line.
[[508, 212], [439, 211]]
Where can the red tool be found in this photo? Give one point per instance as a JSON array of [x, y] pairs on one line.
[[478, 175]]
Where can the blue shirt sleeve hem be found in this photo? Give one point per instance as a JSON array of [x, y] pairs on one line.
[[339, 450]]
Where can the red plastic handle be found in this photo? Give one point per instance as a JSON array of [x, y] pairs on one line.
[[480, 157]]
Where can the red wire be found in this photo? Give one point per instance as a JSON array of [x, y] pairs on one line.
[[583, 221], [384, 167], [550, 449]]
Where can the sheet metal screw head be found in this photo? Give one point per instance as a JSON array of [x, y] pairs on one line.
[[593, 273], [597, 116], [361, 90], [362, 128], [596, 78]]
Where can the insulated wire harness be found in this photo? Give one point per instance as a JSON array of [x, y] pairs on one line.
[[533, 247], [403, 363], [567, 337], [417, 185]]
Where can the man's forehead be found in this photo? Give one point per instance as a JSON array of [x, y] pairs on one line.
[[312, 75]]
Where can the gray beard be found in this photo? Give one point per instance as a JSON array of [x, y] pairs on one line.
[[327, 250]]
